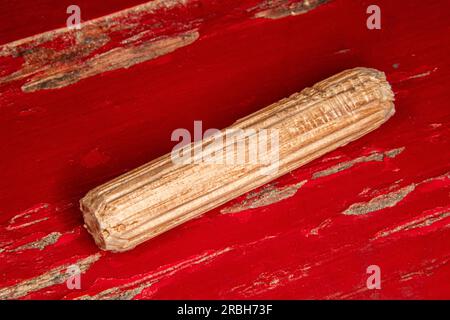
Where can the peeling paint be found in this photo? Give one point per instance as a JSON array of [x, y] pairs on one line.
[[289, 249], [115, 20], [28, 217], [435, 125], [24, 225], [276, 9], [421, 222], [117, 41], [48, 61], [130, 290], [266, 196], [440, 177], [389, 199], [40, 244], [420, 75], [270, 281], [29, 212], [117, 58], [376, 156], [394, 152], [322, 225], [426, 269], [380, 202], [411, 76], [133, 288], [347, 295], [48, 279], [119, 293], [343, 51], [111, 42]]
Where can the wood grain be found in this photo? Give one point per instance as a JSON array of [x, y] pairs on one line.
[[160, 195]]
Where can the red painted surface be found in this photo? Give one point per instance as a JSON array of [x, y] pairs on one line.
[[57, 144], [24, 18]]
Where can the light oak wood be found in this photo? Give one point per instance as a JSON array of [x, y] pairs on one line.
[[160, 195]]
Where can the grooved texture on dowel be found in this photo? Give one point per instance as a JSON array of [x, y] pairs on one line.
[[160, 195]]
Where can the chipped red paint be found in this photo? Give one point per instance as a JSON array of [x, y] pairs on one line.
[[57, 144], [24, 18]]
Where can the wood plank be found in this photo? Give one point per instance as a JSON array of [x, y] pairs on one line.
[[58, 143]]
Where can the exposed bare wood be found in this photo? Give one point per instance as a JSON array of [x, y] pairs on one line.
[[375, 156], [380, 202], [267, 196], [50, 278], [116, 41], [276, 9]]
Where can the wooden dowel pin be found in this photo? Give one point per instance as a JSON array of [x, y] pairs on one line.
[[186, 183]]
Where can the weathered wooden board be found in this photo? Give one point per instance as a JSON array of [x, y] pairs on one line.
[[78, 108]]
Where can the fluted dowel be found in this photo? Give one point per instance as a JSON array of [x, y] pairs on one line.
[[166, 192]]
